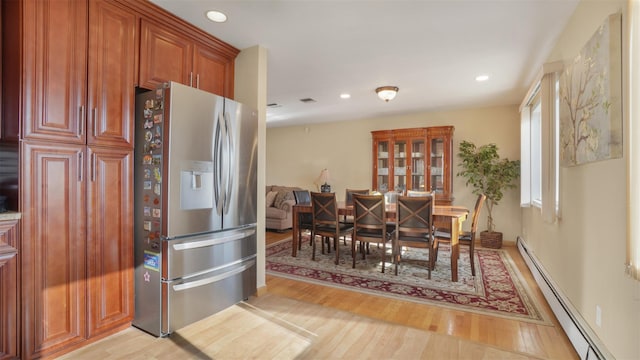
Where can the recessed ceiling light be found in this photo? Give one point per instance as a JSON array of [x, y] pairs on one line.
[[216, 16], [345, 96], [482, 77]]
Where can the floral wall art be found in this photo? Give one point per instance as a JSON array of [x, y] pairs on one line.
[[590, 99]]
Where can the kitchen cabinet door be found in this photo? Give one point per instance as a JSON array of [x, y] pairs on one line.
[[112, 75], [164, 56], [110, 239], [53, 256], [9, 305], [213, 72], [55, 69]]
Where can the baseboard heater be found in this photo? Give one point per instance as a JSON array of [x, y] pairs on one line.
[[584, 340]]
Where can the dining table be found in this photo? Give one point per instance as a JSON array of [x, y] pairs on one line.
[[455, 215]]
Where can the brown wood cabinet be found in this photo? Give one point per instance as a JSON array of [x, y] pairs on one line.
[[414, 159], [113, 59], [168, 55], [109, 242], [78, 87], [54, 212], [9, 304], [70, 69]]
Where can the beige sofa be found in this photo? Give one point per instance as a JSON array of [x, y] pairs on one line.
[[279, 204]]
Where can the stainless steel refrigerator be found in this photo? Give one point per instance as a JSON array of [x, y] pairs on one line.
[[195, 206]]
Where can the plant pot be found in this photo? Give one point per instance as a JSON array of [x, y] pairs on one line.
[[491, 239]]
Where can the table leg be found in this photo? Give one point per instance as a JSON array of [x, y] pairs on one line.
[[455, 248], [294, 232]]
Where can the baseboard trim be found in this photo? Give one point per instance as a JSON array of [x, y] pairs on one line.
[[584, 340]]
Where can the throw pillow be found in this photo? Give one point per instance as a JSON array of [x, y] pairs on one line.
[[271, 197], [282, 196]]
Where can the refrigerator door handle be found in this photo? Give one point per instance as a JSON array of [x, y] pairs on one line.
[[212, 279], [213, 241], [230, 157], [217, 165]]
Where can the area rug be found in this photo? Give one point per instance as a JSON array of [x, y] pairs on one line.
[[496, 290]]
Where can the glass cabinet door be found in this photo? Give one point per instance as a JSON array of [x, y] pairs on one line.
[[383, 166], [418, 177], [437, 165], [400, 166]]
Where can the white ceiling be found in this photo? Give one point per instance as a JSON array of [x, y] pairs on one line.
[[432, 50]]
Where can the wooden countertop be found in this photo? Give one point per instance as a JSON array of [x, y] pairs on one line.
[[10, 215]]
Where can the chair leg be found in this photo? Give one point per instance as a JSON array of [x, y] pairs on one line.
[[335, 240], [353, 253], [472, 260], [384, 255], [436, 246], [313, 245]]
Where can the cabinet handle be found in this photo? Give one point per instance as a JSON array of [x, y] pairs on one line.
[[81, 163], [191, 78], [93, 167], [198, 81], [81, 120], [95, 121]]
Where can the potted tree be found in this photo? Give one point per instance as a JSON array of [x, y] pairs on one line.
[[488, 174]]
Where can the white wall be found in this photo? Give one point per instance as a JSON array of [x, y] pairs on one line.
[[297, 154], [584, 253]]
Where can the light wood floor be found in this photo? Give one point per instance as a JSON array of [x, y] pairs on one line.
[[295, 320]]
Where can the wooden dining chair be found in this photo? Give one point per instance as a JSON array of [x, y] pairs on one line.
[[305, 220], [414, 220], [369, 224], [326, 222], [465, 238], [348, 201]]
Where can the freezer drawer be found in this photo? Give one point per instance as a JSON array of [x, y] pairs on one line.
[[194, 255], [198, 297]]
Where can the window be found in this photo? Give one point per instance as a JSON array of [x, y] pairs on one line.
[[539, 156], [536, 152]]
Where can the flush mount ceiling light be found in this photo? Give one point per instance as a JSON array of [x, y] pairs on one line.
[[481, 78], [216, 16], [387, 93]]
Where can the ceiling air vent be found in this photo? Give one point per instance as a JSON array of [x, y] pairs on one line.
[[307, 100], [274, 105]]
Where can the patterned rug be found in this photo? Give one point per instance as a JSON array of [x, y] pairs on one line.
[[497, 289]]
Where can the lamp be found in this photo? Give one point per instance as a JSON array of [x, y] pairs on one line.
[[387, 93], [323, 180]]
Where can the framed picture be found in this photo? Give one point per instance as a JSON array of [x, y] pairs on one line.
[[591, 99]]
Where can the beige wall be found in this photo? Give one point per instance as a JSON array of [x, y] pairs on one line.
[[297, 154], [585, 252]]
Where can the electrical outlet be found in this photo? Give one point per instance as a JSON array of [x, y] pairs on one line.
[[598, 316]]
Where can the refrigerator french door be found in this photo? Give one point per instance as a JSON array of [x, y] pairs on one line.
[[195, 190]]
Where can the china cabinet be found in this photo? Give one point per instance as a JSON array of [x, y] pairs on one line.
[[414, 159]]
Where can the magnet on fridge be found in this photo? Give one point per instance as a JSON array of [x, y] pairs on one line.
[[148, 185]]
